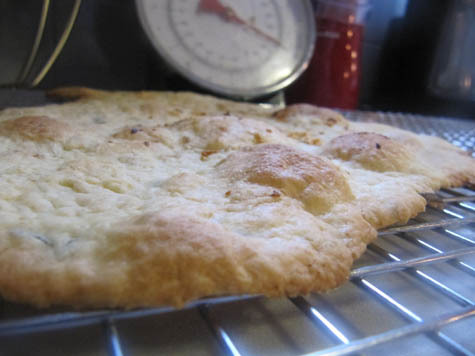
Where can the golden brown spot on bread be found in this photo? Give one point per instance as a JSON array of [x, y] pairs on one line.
[[373, 151], [298, 135], [36, 128], [258, 139], [314, 180], [331, 121], [206, 154], [175, 112], [223, 107], [199, 113], [304, 137]]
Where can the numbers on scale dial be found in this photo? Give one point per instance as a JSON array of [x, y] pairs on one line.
[[218, 35]]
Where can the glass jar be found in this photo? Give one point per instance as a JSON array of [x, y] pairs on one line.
[[333, 76], [453, 72]]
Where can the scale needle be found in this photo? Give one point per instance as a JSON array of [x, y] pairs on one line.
[[229, 15]]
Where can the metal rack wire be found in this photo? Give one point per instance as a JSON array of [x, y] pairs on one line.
[[434, 254]]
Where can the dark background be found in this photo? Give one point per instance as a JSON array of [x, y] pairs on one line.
[[107, 49]]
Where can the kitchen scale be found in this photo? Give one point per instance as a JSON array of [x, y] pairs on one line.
[[242, 49]]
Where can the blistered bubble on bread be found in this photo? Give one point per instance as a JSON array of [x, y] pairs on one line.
[[318, 115], [314, 180], [223, 132], [372, 151]]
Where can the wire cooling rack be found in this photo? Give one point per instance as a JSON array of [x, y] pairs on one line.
[[411, 293]]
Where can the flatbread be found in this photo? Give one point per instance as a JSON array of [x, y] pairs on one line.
[[131, 199]]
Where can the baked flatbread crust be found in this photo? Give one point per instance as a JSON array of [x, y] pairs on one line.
[[122, 199]]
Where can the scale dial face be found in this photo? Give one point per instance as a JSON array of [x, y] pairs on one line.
[[239, 48]]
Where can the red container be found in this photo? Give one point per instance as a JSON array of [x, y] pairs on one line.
[[333, 76]]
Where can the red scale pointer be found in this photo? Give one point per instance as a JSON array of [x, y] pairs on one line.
[[229, 15]]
